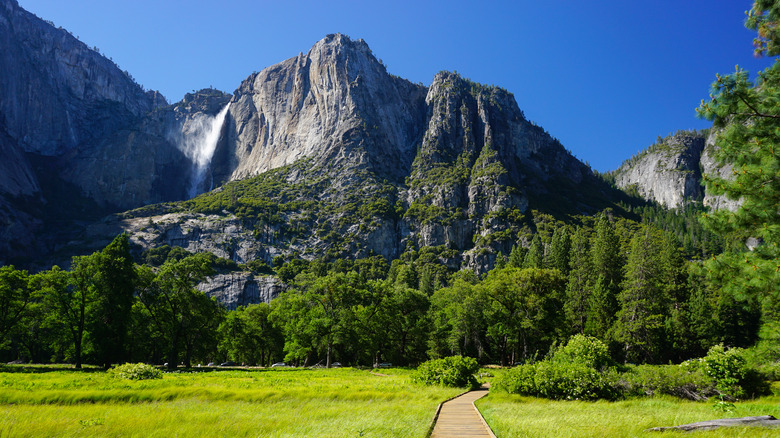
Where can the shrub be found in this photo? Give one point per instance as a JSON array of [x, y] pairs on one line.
[[686, 380], [136, 371], [730, 373], [450, 371], [584, 350], [559, 381]]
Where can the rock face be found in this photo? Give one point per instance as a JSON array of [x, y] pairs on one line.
[[335, 104], [241, 289], [353, 161], [711, 167], [349, 160], [669, 172], [57, 92], [80, 139]]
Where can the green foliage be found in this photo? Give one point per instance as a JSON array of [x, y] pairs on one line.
[[136, 371], [763, 17], [183, 316], [584, 350], [248, 336], [112, 276], [455, 371], [747, 117], [14, 299], [729, 371], [557, 381], [580, 370], [686, 381], [523, 310]]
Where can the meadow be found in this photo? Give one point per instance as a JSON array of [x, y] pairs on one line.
[[55, 401], [516, 416], [345, 402]]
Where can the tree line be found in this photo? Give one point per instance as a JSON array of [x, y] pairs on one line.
[[626, 284]]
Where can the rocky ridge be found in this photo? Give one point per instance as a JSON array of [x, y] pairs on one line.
[[351, 161], [668, 172], [325, 154], [671, 171]]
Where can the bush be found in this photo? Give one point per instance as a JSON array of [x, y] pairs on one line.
[[559, 381], [731, 375], [586, 351], [686, 380], [450, 371], [136, 371]]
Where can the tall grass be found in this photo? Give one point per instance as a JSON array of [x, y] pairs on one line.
[[267, 403], [517, 416]]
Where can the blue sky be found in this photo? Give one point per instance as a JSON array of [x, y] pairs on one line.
[[605, 77]]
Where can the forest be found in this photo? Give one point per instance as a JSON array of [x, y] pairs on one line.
[[632, 285]]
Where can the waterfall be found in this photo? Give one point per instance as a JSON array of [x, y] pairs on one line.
[[199, 137]]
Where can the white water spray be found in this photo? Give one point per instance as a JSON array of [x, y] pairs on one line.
[[199, 141]]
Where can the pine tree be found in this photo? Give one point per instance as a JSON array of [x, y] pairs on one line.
[[605, 253], [747, 118], [501, 261], [558, 255], [535, 256], [601, 313], [639, 325], [578, 285], [606, 276], [517, 256]]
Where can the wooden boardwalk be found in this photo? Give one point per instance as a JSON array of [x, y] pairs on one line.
[[460, 418]]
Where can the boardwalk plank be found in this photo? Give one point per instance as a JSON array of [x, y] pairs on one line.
[[459, 418]]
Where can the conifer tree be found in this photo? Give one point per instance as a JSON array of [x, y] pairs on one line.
[[517, 256], [578, 285], [558, 255], [606, 276], [601, 310], [501, 261], [535, 256], [746, 116], [605, 253], [639, 325]]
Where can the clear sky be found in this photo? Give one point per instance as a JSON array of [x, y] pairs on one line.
[[605, 77]]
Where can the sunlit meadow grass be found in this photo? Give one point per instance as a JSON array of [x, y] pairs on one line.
[[267, 403], [518, 416]]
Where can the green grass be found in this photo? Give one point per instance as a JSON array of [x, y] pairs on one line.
[[518, 416], [267, 403]]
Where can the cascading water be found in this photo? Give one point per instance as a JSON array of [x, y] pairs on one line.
[[198, 142]]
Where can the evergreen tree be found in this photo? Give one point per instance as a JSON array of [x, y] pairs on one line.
[[606, 259], [601, 310], [501, 261], [535, 256], [639, 325], [606, 265], [517, 256], [558, 255], [747, 118], [578, 285], [701, 333]]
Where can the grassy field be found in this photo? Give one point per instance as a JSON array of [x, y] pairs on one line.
[[518, 416], [267, 403]]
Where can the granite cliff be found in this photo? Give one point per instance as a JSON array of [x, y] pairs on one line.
[[323, 155], [671, 171]]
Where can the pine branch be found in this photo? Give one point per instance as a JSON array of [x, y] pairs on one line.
[[756, 112]]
